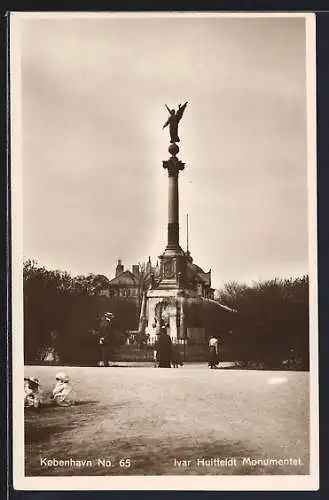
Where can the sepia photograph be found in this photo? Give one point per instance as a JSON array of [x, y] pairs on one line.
[[164, 251]]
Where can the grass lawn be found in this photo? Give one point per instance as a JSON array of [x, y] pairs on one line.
[[154, 416]]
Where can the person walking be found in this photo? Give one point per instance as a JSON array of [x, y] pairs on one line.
[[106, 342], [164, 350], [103, 352], [213, 352], [176, 359]]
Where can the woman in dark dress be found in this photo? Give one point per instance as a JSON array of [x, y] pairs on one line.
[[164, 350]]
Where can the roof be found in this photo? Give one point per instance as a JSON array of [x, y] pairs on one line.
[[221, 306], [127, 278], [196, 273]]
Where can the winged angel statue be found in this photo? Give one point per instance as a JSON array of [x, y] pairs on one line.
[[173, 121]]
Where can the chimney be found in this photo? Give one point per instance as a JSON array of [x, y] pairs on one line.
[[119, 269], [135, 270]]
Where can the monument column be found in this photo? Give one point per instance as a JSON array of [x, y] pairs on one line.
[[165, 295], [173, 223], [173, 165]]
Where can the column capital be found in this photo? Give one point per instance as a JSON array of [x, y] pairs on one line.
[[173, 165]]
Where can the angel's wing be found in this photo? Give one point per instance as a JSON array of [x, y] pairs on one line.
[[180, 111]]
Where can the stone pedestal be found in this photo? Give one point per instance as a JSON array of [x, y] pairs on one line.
[[164, 307]]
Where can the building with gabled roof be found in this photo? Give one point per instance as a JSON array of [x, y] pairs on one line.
[[128, 284]]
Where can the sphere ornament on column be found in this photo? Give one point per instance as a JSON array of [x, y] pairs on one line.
[[173, 149]]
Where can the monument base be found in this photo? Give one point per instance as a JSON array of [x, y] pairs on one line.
[[165, 307]]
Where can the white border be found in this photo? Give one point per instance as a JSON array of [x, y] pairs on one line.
[[200, 483], [156, 15], [312, 242]]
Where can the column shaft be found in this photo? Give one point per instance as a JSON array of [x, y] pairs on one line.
[[173, 210]]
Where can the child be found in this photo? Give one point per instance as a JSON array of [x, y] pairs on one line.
[[155, 358], [176, 360], [32, 392], [62, 392]]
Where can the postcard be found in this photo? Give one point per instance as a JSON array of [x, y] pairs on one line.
[[164, 251]]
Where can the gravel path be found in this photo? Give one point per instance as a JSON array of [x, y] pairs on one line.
[[191, 420]]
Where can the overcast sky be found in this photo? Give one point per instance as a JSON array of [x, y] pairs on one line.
[[93, 105]]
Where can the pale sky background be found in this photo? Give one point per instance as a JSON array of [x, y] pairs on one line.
[[93, 106]]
